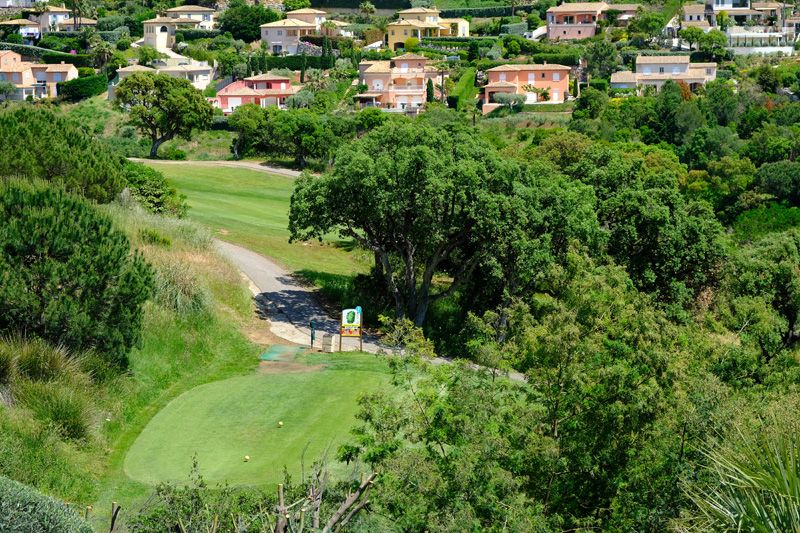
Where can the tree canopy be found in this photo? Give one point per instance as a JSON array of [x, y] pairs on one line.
[[163, 107]]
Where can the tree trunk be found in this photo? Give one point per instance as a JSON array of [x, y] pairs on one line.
[[154, 148]]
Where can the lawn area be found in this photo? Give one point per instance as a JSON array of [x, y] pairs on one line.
[[221, 422], [251, 208], [465, 88]]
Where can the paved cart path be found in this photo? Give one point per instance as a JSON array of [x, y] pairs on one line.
[[291, 304]]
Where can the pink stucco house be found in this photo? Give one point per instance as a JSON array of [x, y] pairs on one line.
[[263, 90], [398, 84], [539, 83], [578, 20], [35, 80]]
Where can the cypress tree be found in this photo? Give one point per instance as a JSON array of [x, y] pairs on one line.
[[429, 94]]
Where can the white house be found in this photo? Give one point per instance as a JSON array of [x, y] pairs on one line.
[[51, 17], [27, 28], [283, 36], [203, 15], [654, 71]]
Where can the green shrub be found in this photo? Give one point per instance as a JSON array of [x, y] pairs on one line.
[[483, 12], [57, 404], [79, 60], [151, 236], [150, 188], [179, 289], [123, 44], [25, 510], [84, 72], [38, 143], [192, 35], [517, 28], [69, 276], [80, 88], [37, 360], [599, 84], [172, 153]]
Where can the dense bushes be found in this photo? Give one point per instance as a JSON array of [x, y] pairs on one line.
[[295, 62], [25, 510], [80, 88], [79, 60], [36, 52], [516, 28], [70, 277], [38, 143], [190, 34], [111, 36], [150, 188], [335, 41]]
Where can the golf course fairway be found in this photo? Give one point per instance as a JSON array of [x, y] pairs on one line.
[[222, 422]]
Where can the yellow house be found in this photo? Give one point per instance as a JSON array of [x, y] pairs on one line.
[[420, 22]]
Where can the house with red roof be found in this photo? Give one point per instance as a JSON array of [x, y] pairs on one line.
[[263, 90]]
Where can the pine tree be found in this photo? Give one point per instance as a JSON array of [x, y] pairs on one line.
[[68, 276]]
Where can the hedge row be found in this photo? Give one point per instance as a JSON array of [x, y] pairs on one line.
[[25, 509], [109, 36], [566, 59], [32, 51], [353, 4], [436, 40], [79, 60], [494, 11], [516, 28], [190, 34], [335, 41], [294, 62], [80, 88]]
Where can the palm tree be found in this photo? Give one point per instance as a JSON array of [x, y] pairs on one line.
[[102, 52], [755, 487]]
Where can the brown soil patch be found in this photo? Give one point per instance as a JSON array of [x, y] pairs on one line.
[[223, 231], [285, 367], [257, 331]]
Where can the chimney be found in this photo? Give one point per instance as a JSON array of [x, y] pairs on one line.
[[62, 62]]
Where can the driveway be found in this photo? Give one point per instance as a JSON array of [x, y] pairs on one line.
[[251, 165]]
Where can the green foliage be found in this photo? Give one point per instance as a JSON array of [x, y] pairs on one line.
[[35, 359], [602, 58], [81, 88], [243, 21], [79, 60], [516, 28], [57, 244], [163, 107], [782, 180], [151, 189], [755, 484], [24, 509], [37, 143], [591, 104]]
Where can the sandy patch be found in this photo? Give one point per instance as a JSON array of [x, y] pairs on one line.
[[223, 231]]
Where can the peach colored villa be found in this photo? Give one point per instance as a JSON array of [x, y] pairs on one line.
[[539, 83], [419, 22], [398, 85], [263, 90], [35, 80], [578, 20]]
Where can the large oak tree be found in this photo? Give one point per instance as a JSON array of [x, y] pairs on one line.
[[163, 107]]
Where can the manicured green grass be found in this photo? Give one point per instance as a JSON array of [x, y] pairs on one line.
[[221, 422], [251, 208], [465, 88]]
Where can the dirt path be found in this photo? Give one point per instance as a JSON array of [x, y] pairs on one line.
[[251, 165]]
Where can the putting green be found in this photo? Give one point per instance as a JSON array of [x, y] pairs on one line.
[[221, 422]]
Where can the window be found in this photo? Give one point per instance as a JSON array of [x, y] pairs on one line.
[[579, 32], [15, 76], [502, 76], [280, 32], [661, 70], [405, 32], [531, 77], [206, 17], [542, 76], [556, 76], [57, 77]]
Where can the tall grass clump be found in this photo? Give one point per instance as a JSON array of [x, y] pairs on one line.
[[179, 288], [60, 405], [8, 363], [136, 222], [39, 361]]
